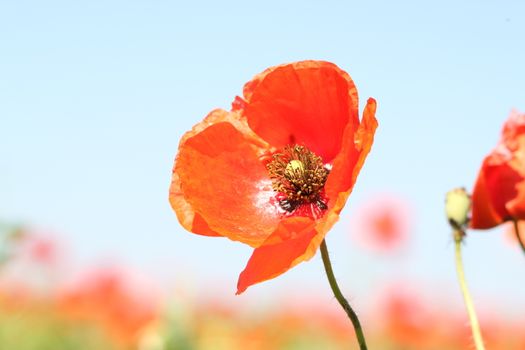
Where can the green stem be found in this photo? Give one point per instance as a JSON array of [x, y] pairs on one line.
[[340, 298], [517, 230], [474, 324]]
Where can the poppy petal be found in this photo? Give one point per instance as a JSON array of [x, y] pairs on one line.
[[358, 148], [483, 215], [219, 185], [280, 253], [309, 102], [513, 131], [344, 175], [516, 207], [349, 162], [494, 187]]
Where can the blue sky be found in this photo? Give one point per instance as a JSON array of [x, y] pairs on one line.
[[94, 97]]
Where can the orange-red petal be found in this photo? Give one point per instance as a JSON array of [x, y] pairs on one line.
[[516, 206], [219, 186], [308, 102], [346, 167], [280, 253], [295, 240], [513, 130], [494, 189]]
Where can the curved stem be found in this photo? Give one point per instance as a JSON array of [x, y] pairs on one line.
[[340, 298], [474, 324], [517, 230]]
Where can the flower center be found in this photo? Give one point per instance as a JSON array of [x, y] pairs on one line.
[[298, 175]]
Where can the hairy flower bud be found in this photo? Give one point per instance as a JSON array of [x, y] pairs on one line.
[[457, 207]]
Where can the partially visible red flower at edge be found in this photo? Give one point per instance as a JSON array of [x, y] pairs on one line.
[[276, 170], [499, 193]]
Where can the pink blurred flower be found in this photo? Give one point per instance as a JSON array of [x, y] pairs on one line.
[[383, 223], [36, 260], [36, 247], [42, 249]]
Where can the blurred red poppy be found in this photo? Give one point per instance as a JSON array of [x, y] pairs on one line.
[[412, 320], [42, 249], [276, 170], [382, 223], [112, 299], [499, 193]]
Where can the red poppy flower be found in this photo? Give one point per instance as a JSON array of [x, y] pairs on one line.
[[276, 170], [499, 193]]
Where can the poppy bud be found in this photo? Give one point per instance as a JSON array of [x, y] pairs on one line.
[[457, 207]]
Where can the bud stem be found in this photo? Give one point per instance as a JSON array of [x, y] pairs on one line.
[[517, 230], [474, 324], [340, 298]]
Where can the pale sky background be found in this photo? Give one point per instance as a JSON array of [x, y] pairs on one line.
[[94, 97]]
